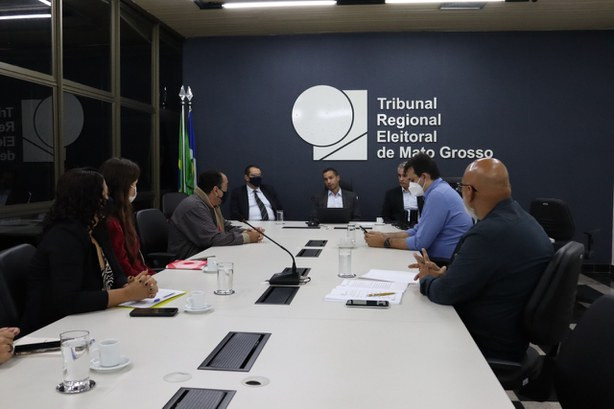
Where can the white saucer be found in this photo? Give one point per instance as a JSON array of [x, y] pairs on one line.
[[191, 310], [95, 365]]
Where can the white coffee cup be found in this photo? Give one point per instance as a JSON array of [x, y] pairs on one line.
[[196, 300], [211, 266], [379, 220], [110, 352]]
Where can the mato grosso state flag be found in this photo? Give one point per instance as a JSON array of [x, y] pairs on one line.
[[187, 161]]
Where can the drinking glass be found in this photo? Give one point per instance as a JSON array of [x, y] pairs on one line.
[[279, 219], [225, 270], [75, 346], [345, 263]]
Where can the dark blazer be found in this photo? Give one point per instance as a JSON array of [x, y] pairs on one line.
[[65, 275], [350, 199], [239, 205], [393, 206]]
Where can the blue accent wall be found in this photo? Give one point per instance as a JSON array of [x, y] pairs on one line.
[[542, 101]]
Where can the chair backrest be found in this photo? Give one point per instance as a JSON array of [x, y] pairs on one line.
[[14, 266], [170, 201], [550, 308], [152, 228], [554, 216], [584, 368]]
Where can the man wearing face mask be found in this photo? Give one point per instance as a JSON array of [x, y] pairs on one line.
[[443, 219], [254, 200], [197, 222], [399, 200], [496, 264]]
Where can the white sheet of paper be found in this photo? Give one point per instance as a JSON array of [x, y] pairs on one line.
[[361, 290], [163, 294], [391, 275]]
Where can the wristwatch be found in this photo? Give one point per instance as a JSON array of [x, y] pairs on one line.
[[387, 243]]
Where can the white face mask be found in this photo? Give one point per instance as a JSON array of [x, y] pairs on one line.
[[131, 198], [415, 189]]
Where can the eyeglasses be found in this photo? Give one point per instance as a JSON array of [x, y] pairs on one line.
[[461, 185]]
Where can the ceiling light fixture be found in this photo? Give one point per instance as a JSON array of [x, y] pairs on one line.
[[46, 2], [268, 4], [440, 1], [24, 16]]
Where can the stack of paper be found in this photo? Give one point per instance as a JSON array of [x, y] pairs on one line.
[[393, 276], [367, 290], [375, 285]]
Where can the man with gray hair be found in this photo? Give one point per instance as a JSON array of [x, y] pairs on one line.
[[399, 200]]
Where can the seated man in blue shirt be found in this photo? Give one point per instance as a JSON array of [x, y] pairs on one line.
[[496, 264], [443, 219]]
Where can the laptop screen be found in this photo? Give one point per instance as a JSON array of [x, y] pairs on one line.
[[334, 215]]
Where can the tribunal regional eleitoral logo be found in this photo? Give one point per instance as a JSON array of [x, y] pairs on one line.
[[333, 121]]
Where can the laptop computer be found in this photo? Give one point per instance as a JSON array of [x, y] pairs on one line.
[[334, 215]]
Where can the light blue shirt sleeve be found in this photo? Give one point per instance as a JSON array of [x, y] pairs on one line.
[[432, 222]]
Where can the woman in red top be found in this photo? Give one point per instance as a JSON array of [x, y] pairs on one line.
[[122, 176]]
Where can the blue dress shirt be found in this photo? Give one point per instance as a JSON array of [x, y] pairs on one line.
[[442, 223]]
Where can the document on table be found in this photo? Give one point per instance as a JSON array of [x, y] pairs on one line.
[[406, 277], [162, 295], [366, 290]]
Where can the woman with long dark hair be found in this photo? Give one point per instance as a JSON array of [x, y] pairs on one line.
[[74, 269], [122, 176]]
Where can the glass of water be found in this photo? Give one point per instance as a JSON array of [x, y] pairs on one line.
[[225, 270], [75, 347], [345, 263], [351, 234], [279, 217]]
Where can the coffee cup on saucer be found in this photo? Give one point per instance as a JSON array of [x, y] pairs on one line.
[[211, 266], [196, 300]]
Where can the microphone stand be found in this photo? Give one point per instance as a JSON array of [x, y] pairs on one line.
[[290, 275]]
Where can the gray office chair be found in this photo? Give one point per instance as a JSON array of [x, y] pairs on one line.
[[14, 266], [170, 201], [152, 228], [547, 315], [584, 368]]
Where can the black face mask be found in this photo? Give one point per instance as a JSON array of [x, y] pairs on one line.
[[223, 198], [256, 181]]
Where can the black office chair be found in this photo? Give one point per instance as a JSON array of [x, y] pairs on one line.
[[170, 201], [152, 228], [14, 266], [547, 315], [453, 181], [345, 184], [584, 368], [555, 217]]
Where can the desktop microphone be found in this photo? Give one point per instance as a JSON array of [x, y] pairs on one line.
[[290, 276]]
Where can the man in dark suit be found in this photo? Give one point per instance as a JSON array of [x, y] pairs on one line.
[[334, 197], [254, 201], [399, 199]]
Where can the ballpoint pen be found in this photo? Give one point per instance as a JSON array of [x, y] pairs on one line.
[[379, 294], [163, 298]]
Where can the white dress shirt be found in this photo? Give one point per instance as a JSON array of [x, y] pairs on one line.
[[335, 200], [410, 202], [254, 210]]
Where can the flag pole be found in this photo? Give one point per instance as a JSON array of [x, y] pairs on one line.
[[182, 161]]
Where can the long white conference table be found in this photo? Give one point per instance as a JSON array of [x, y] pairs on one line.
[[320, 354]]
